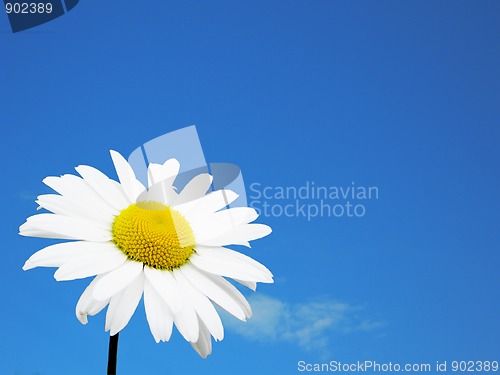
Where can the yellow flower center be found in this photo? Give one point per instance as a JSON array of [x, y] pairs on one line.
[[154, 234]]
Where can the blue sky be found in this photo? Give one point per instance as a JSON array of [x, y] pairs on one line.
[[398, 95]]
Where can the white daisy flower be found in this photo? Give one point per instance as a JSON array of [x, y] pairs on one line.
[[166, 245]]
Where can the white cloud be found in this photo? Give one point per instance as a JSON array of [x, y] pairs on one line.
[[309, 325], [26, 196]]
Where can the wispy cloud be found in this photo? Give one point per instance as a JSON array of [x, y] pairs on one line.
[[26, 195], [309, 325]]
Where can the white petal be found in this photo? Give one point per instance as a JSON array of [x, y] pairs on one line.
[[166, 286], [64, 227], [58, 254], [122, 305], [227, 268], [204, 308], [229, 263], [78, 191], [64, 206], [249, 284], [162, 192], [194, 189], [231, 291], [238, 236], [214, 289], [108, 190], [126, 175], [159, 315], [204, 344], [206, 205], [87, 305], [166, 172], [93, 262], [117, 280], [236, 216], [231, 256], [221, 222], [61, 253], [186, 322]]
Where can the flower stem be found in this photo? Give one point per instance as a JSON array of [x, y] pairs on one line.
[[113, 349]]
